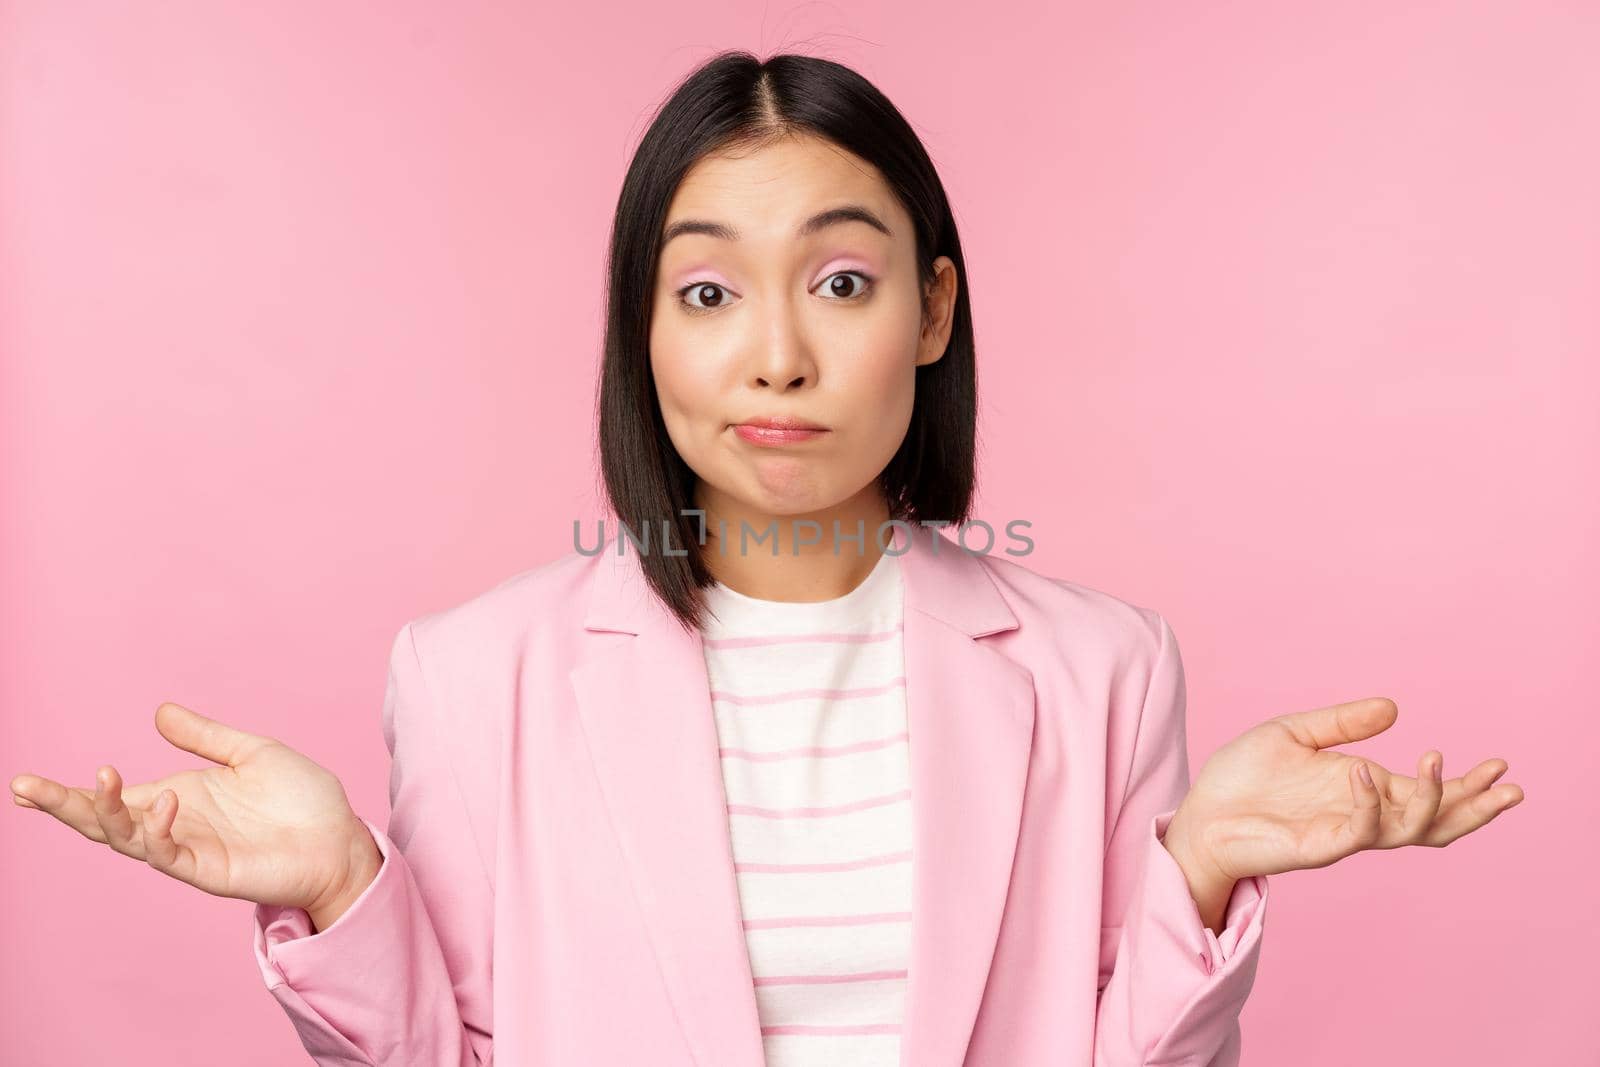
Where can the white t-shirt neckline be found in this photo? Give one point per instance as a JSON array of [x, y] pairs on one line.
[[876, 597]]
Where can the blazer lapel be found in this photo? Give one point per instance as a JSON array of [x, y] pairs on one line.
[[645, 708], [646, 711], [970, 712]]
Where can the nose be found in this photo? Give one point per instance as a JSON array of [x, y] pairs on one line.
[[782, 360], [779, 382]]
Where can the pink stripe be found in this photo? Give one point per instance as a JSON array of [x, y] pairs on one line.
[[828, 1031], [800, 694], [829, 979], [783, 922], [845, 865], [818, 813], [815, 751], [845, 638]]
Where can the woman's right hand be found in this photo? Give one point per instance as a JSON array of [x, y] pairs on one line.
[[268, 825]]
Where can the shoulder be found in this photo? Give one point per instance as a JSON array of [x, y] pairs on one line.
[[502, 624], [1087, 626]]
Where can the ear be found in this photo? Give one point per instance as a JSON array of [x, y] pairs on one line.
[[939, 310]]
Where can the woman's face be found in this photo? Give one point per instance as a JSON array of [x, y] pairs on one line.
[[757, 314]]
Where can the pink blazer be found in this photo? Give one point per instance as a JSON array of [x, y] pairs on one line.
[[558, 884]]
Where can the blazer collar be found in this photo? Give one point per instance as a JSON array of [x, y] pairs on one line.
[[645, 709]]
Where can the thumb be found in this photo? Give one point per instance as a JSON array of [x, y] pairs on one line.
[[1339, 724], [194, 732]]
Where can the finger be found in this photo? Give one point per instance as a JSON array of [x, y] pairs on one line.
[[1341, 723], [1363, 828], [135, 796], [160, 850], [1474, 813], [1474, 781], [19, 791], [73, 806], [214, 740], [116, 822], [1426, 797]]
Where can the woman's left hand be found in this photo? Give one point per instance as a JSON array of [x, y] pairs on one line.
[[1276, 798]]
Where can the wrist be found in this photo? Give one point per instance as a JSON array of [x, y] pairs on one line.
[[1209, 885], [1186, 839], [365, 862]]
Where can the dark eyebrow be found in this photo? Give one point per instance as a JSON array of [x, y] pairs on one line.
[[821, 220]]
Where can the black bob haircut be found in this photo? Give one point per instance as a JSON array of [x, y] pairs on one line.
[[736, 101]]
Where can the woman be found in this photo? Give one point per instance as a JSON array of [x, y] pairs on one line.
[[863, 797]]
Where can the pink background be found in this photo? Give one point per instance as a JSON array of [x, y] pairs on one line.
[[1288, 326]]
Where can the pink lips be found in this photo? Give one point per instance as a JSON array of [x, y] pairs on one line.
[[778, 430]]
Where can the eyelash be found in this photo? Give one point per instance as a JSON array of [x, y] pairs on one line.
[[866, 290]]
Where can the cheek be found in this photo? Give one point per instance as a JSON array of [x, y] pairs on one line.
[[882, 379], [684, 386], [687, 390], [670, 366]]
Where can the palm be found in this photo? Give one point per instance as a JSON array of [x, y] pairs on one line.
[[255, 828], [1277, 799], [270, 825]]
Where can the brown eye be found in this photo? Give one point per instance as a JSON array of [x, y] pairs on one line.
[[843, 289], [711, 293]]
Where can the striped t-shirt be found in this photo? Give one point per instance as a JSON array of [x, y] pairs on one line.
[[810, 708]]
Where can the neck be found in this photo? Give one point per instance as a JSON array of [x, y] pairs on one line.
[[795, 560]]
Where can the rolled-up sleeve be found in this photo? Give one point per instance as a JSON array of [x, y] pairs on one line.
[[403, 976], [1171, 988]]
